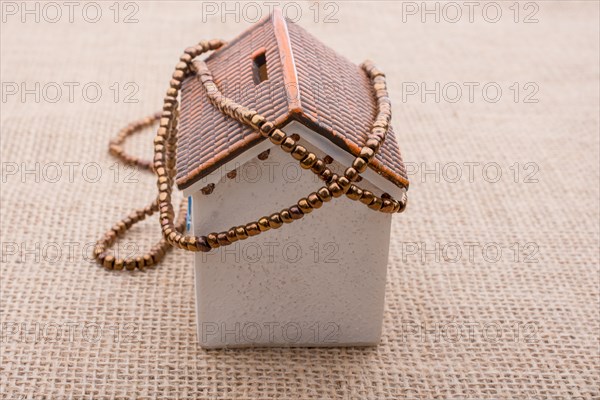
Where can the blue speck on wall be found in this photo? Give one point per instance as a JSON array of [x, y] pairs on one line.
[[188, 217]]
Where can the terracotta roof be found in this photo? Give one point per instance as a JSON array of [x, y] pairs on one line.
[[306, 81]]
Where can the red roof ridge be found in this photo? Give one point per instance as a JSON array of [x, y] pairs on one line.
[[290, 75]]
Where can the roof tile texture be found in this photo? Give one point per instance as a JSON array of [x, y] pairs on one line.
[[336, 100]]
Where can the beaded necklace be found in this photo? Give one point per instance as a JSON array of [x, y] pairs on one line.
[[163, 165]]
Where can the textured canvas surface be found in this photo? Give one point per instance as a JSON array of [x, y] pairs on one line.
[[493, 274]]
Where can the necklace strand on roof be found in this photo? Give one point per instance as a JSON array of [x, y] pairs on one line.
[[163, 165]]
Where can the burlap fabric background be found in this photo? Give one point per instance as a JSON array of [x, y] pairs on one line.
[[521, 322]]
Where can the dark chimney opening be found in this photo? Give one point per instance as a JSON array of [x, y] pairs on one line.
[[259, 68]]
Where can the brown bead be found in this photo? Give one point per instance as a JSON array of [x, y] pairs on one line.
[[241, 233], [175, 84], [232, 174], [295, 136], [314, 200], [139, 263], [378, 86], [115, 150], [203, 44], [177, 241], [154, 257], [167, 231], [324, 194], [164, 197], [160, 250], [232, 236], [161, 172], [110, 236], [263, 224], [305, 206], [376, 72], [335, 189], [308, 161], [148, 260], [192, 51], [383, 124], [378, 133], [162, 132], [119, 264], [248, 115], [286, 216], [299, 152], [214, 44], [172, 92], [360, 165], [367, 197], [326, 175], [277, 136], [354, 193], [98, 250], [327, 159], [223, 239], [266, 128], [119, 228], [186, 58], [239, 111], [191, 243], [384, 100], [403, 203], [367, 153], [101, 257], [130, 264], [344, 183], [296, 212], [351, 174], [166, 209], [318, 167], [387, 206], [109, 262], [212, 240], [376, 204], [178, 75], [288, 145], [252, 229], [275, 221], [258, 120]]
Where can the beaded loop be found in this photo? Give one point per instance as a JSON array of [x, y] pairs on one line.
[[163, 165], [153, 257]]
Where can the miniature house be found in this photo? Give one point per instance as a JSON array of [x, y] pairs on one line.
[[319, 281]]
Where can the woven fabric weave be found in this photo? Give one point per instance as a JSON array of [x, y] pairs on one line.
[[528, 320]]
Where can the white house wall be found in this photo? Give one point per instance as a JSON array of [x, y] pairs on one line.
[[319, 281]]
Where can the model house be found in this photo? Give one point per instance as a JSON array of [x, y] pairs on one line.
[[319, 281]]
